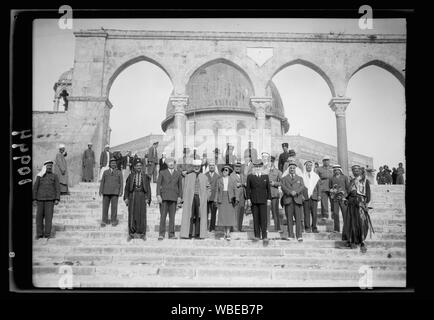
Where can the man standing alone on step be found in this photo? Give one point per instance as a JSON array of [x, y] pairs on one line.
[[46, 194]]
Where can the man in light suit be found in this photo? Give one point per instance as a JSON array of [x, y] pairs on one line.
[[153, 161], [293, 188], [213, 177], [169, 194]]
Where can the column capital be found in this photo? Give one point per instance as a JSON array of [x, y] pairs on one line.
[[179, 103], [339, 105], [260, 104]]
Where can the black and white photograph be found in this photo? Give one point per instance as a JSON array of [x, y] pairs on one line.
[[219, 152]]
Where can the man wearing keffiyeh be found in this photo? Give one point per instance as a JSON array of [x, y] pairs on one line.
[[46, 194], [358, 218]]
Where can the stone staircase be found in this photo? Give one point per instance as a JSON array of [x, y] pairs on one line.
[[101, 257]]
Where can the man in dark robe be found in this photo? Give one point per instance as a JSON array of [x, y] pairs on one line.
[[88, 163], [359, 221], [46, 194], [136, 195], [162, 163], [61, 170]]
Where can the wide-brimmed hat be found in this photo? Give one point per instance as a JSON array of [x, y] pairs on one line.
[[226, 166]]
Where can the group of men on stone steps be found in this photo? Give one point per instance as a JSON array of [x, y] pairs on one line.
[[230, 193]]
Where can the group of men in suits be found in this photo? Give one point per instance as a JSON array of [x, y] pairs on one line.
[[259, 188]]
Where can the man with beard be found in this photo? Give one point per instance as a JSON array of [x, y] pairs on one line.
[[197, 192], [46, 194], [137, 193], [358, 220]]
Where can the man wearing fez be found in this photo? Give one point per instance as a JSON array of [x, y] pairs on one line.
[[275, 176], [240, 182], [153, 161], [136, 195], [88, 163], [325, 173], [251, 152], [283, 156], [258, 196], [358, 218], [339, 186], [169, 193], [311, 197], [293, 188], [104, 160], [61, 170], [213, 177], [110, 189], [46, 194], [197, 192]]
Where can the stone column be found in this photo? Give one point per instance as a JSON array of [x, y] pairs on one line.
[[260, 105], [339, 105], [179, 103]]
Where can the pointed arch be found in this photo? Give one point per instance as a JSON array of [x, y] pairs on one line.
[[310, 65], [381, 64]]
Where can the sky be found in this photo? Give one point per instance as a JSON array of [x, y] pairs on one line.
[[377, 107]]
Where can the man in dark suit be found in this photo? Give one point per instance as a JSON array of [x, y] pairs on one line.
[[153, 161], [258, 194], [213, 177], [110, 188], [293, 188], [169, 194], [46, 194]]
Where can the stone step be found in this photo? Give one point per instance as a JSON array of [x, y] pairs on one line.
[[136, 247], [224, 273], [49, 280], [269, 262], [116, 232], [120, 238]]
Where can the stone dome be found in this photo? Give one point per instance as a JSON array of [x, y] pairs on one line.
[[223, 86]]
